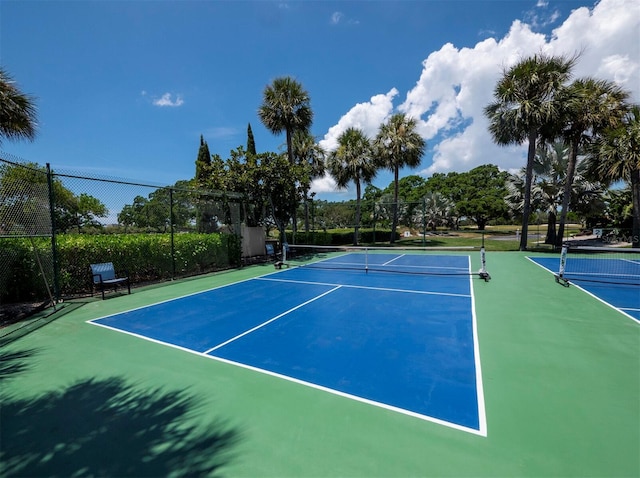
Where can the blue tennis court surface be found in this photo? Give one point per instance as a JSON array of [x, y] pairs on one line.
[[613, 281], [405, 342]]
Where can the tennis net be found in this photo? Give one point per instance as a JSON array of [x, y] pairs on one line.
[[444, 261], [599, 264]]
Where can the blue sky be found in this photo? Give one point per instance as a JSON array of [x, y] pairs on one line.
[[125, 88]]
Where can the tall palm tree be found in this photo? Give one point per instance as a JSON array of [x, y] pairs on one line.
[[353, 161], [589, 106], [17, 111], [310, 156], [525, 108], [398, 145], [286, 107], [616, 156]]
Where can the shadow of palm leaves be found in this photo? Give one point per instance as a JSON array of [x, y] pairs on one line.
[[14, 363], [109, 428]]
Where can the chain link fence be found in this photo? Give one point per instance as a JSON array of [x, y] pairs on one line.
[[55, 223]]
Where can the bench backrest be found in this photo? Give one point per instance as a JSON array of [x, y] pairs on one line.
[[105, 270]]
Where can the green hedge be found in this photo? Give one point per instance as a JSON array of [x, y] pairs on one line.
[[146, 258], [20, 276]]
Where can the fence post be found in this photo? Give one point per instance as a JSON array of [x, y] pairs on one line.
[[54, 247], [424, 221], [173, 247], [375, 218]]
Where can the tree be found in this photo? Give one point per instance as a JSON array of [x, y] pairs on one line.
[[24, 189], [398, 145], [386, 208], [482, 192], [436, 210], [310, 156], [203, 173], [411, 188], [17, 111], [525, 108], [251, 142], [86, 210], [286, 108], [550, 169], [589, 106], [352, 161], [616, 156], [165, 207]]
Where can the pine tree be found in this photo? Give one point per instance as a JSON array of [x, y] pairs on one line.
[[203, 173], [251, 144], [203, 163]]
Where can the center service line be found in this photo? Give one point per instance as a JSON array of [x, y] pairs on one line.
[[270, 320]]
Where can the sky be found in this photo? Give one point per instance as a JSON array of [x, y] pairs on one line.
[[125, 88]]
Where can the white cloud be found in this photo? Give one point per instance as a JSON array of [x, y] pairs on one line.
[[324, 185], [167, 100], [365, 116], [340, 18], [456, 84]]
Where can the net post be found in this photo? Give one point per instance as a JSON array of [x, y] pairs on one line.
[[483, 261], [366, 260], [563, 263]]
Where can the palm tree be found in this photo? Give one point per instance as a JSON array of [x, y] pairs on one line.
[[17, 111], [437, 210], [589, 106], [549, 177], [398, 145], [353, 161], [286, 107], [385, 207], [308, 155], [525, 108], [549, 169], [616, 156]]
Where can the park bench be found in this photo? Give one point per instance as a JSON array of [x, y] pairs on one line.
[[278, 259]]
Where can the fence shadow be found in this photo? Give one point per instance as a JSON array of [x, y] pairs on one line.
[[111, 428]]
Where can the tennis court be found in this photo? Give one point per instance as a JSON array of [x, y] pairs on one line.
[[348, 369], [330, 324], [612, 276]]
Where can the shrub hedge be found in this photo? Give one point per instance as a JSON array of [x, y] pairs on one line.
[[146, 258]]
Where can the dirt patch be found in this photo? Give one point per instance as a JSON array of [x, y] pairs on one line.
[[12, 313]]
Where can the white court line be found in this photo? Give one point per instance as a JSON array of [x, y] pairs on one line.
[[233, 339], [481, 432], [482, 415], [394, 259], [577, 286]]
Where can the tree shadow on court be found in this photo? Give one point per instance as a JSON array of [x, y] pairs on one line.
[[14, 363], [111, 428]]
